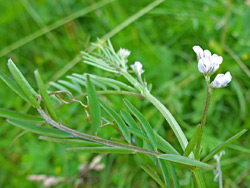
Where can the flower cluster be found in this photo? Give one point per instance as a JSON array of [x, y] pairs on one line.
[[208, 64]]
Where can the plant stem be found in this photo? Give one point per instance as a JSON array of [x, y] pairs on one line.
[[199, 181], [94, 138], [204, 117], [164, 111]]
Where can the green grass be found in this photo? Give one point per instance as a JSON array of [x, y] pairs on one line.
[[49, 35]]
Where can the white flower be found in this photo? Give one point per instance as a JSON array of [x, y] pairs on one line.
[[137, 67], [207, 63], [221, 80], [124, 53]]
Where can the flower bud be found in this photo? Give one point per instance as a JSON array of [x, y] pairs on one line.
[[221, 80], [137, 67], [124, 53]]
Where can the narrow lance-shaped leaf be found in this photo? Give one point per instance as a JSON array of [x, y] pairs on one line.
[[174, 175], [131, 122], [185, 161], [223, 145], [193, 141], [39, 129], [165, 172], [70, 141], [23, 84], [118, 120], [165, 145], [16, 115], [94, 107], [101, 150], [145, 124], [148, 160], [45, 96], [13, 85], [113, 82], [154, 176]]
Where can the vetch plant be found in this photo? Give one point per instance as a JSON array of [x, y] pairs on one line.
[[136, 135]]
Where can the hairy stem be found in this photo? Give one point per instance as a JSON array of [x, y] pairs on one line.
[[94, 138]]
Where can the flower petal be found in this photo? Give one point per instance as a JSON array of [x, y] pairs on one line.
[[207, 53]]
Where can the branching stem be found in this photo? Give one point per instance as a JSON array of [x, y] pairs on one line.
[[94, 138]]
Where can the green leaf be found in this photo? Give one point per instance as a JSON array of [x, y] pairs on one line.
[[23, 84], [94, 107], [70, 85], [193, 141], [39, 129], [131, 122], [19, 116], [129, 119], [154, 176], [58, 86], [94, 82], [161, 143], [174, 175], [119, 141], [165, 172], [223, 145], [145, 124], [185, 161], [147, 160], [45, 96], [70, 141], [111, 82], [165, 145], [13, 85], [118, 120], [101, 150]]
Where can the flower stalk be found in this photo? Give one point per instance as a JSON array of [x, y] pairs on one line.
[[204, 117]]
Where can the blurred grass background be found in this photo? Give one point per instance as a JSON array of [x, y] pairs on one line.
[[49, 35]]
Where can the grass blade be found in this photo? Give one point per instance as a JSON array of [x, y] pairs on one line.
[[19, 116], [101, 150], [39, 129], [23, 84], [185, 161], [13, 85], [223, 145], [193, 141], [154, 176], [145, 124], [70, 141], [118, 120], [45, 96], [94, 107], [53, 26]]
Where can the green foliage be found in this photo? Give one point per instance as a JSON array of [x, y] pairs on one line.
[[50, 37], [94, 107]]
